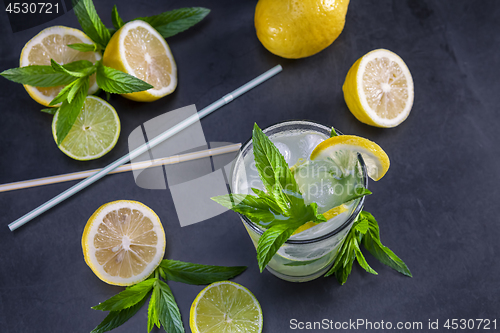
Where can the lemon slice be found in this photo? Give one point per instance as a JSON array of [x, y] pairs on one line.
[[225, 307], [335, 211], [123, 242], [94, 133], [51, 43], [139, 50], [376, 160], [378, 89]]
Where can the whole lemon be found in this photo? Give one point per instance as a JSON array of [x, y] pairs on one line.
[[299, 28]]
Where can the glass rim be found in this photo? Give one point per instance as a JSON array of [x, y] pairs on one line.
[[332, 233]]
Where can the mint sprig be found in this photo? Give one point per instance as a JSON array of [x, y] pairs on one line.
[[91, 22], [365, 230], [162, 307]]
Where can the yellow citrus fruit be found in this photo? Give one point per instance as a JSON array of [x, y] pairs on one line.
[[378, 89], [51, 43], [139, 50], [225, 307], [94, 133], [123, 242], [330, 214], [299, 28], [376, 160]]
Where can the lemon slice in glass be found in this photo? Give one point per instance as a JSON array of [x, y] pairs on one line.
[[94, 133], [139, 50], [52, 43], [225, 307], [376, 160], [123, 242], [378, 89]]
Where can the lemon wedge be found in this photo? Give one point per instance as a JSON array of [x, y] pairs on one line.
[[52, 43], [123, 242], [139, 50], [378, 89], [330, 214], [225, 307], [376, 160]]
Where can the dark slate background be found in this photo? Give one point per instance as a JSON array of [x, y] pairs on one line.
[[436, 206]]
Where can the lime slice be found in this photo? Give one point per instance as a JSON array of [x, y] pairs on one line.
[[94, 132], [225, 307]]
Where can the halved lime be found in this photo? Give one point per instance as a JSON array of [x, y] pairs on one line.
[[94, 133], [225, 307]]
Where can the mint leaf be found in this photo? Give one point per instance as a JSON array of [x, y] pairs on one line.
[[117, 318], [275, 173], [197, 274], [372, 243], [154, 308], [83, 47], [63, 94], [333, 133], [359, 192], [257, 209], [268, 199], [169, 314], [172, 22], [50, 110], [271, 240], [118, 82], [77, 69], [79, 84], [361, 259], [37, 76], [91, 22], [116, 19], [68, 112], [130, 296]]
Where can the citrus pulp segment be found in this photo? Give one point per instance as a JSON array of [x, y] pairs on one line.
[[123, 242], [52, 43], [225, 307], [139, 50]]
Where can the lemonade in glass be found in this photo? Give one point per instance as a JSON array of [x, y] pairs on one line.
[[312, 249]]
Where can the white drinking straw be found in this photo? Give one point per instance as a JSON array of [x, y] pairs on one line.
[[124, 168], [145, 147]]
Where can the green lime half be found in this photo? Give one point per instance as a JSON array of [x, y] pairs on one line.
[[94, 133], [225, 307]]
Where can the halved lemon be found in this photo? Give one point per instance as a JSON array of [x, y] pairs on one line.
[[51, 43], [378, 89], [139, 50], [225, 307], [123, 242], [94, 133], [376, 160]]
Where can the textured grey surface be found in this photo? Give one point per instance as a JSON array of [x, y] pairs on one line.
[[436, 206]]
